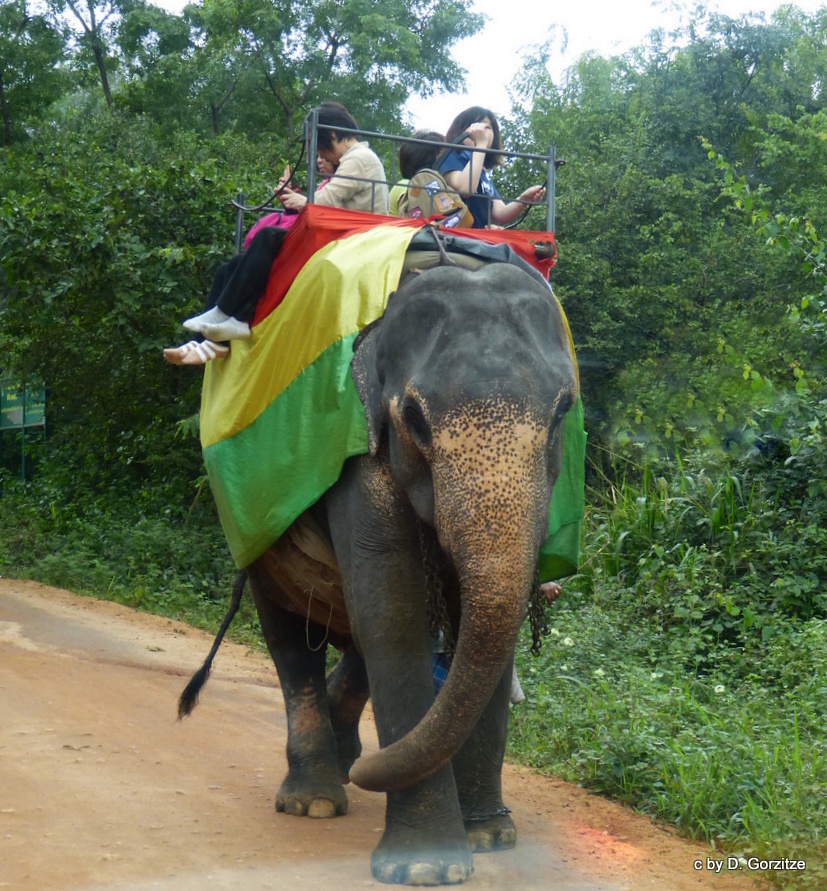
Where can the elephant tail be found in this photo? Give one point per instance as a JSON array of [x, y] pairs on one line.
[[189, 698]]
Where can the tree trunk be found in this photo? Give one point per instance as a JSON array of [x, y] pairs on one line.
[[4, 111], [100, 61]]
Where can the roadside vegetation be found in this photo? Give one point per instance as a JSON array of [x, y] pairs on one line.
[[685, 670]]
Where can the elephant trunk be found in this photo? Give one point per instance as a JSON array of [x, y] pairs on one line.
[[493, 608], [491, 500]]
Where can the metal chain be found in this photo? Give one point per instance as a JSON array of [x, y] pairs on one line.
[[537, 616], [438, 617], [499, 812]]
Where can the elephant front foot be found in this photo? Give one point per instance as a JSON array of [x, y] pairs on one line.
[[314, 799], [497, 833], [411, 861]]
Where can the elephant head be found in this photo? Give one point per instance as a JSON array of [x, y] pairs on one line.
[[469, 376]]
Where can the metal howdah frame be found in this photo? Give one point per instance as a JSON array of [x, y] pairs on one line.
[[311, 136], [311, 140]]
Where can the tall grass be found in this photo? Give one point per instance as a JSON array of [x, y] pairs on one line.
[[146, 559], [684, 675]]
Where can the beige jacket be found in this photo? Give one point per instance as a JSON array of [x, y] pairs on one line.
[[348, 187]]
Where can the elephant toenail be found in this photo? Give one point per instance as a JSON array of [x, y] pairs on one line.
[[423, 874], [321, 809]]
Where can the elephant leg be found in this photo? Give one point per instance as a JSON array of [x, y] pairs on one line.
[[478, 772], [424, 841], [347, 694], [312, 786]]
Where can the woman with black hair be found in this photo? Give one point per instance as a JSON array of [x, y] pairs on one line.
[[469, 172]]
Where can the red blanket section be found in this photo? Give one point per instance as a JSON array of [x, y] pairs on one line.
[[317, 225]]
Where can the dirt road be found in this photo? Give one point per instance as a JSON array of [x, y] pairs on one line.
[[102, 788]]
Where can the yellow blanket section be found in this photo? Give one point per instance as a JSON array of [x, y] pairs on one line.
[[344, 287]]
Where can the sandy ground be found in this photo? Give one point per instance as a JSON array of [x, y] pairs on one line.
[[101, 786]]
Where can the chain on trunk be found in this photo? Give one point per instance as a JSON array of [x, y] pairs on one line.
[[438, 617], [537, 616]]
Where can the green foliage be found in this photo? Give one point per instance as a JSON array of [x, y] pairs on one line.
[[147, 560], [730, 554], [686, 670], [110, 236], [648, 260], [257, 66], [91, 25], [738, 763], [244, 66], [31, 49], [690, 681]]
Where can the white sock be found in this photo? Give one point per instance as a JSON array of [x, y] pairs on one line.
[[212, 316], [229, 329]]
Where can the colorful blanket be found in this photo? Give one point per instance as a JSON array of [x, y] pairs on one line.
[[280, 415]]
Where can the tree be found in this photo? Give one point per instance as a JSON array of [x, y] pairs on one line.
[[31, 50], [256, 65], [96, 19], [147, 34], [262, 63], [156, 51], [657, 277], [110, 232]]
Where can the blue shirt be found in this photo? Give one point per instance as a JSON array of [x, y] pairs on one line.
[[478, 203]]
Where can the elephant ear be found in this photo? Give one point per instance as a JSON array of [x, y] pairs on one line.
[[363, 370]]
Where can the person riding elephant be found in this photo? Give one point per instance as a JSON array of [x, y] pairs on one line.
[[468, 167], [465, 380], [357, 182]]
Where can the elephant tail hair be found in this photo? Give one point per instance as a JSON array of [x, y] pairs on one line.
[[189, 698]]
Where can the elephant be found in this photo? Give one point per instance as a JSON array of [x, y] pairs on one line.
[[465, 381]]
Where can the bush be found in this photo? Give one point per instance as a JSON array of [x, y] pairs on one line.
[[155, 562], [111, 232]]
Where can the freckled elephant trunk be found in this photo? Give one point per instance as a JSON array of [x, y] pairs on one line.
[[494, 604], [491, 495]]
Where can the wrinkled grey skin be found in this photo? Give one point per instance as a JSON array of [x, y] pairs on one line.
[[465, 382]]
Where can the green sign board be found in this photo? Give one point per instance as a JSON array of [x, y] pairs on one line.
[[22, 406]]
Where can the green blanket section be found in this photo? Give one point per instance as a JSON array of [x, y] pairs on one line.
[[559, 556], [261, 488], [270, 472]]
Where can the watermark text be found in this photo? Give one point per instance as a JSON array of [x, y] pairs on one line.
[[753, 864]]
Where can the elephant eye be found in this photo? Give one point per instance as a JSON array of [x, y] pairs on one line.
[[563, 407], [560, 411], [416, 425]]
